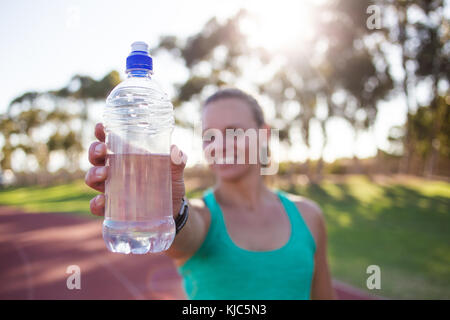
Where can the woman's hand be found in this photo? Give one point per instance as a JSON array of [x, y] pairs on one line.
[[96, 176]]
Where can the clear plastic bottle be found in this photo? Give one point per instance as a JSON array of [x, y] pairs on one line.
[[138, 121]]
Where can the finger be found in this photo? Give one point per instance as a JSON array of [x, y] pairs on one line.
[[100, 132], [97, 153], [97, 205], [95, 178]]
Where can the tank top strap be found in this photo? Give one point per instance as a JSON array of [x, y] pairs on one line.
[[210, 201], [300, 229], [214, 231]]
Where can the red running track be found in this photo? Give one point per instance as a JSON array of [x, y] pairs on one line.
[[37, 248]]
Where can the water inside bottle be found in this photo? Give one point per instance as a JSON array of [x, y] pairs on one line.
[[138, 208]]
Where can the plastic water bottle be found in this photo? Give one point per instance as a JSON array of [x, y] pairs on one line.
[[138, 121]]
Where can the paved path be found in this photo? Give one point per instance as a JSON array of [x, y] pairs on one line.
[[37, 248]]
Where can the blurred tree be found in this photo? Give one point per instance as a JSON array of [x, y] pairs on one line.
[[39, 123], [429, 131], [217, 47], [422, 32], [342, 69], [340, 73], [346, 78]]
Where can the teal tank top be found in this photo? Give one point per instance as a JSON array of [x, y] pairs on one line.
[[221, 270]]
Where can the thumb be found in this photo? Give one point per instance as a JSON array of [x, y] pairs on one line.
[[178, 161]]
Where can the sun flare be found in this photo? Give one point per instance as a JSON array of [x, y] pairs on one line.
[[278, 25]]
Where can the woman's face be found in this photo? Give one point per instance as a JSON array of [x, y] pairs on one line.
[[220, 115]]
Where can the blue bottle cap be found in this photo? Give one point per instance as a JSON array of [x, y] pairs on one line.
[[139, 57]]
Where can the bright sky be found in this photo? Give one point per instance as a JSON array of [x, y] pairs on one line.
[[44, 43]]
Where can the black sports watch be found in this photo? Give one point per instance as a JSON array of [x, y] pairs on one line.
[[182, 217]]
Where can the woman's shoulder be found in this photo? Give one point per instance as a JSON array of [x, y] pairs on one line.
[[305, 205], [311, 213], [200, 207], [198, 204]]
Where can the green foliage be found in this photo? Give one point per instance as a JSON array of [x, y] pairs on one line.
[[200, 46], [26, 97], [89, 88], [191, 87], [63, 142], [337, 168], [422, 123]]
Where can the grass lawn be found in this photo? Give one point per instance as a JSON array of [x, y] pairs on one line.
[[403, 227]]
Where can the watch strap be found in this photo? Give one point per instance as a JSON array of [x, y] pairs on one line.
[[182, 217]]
